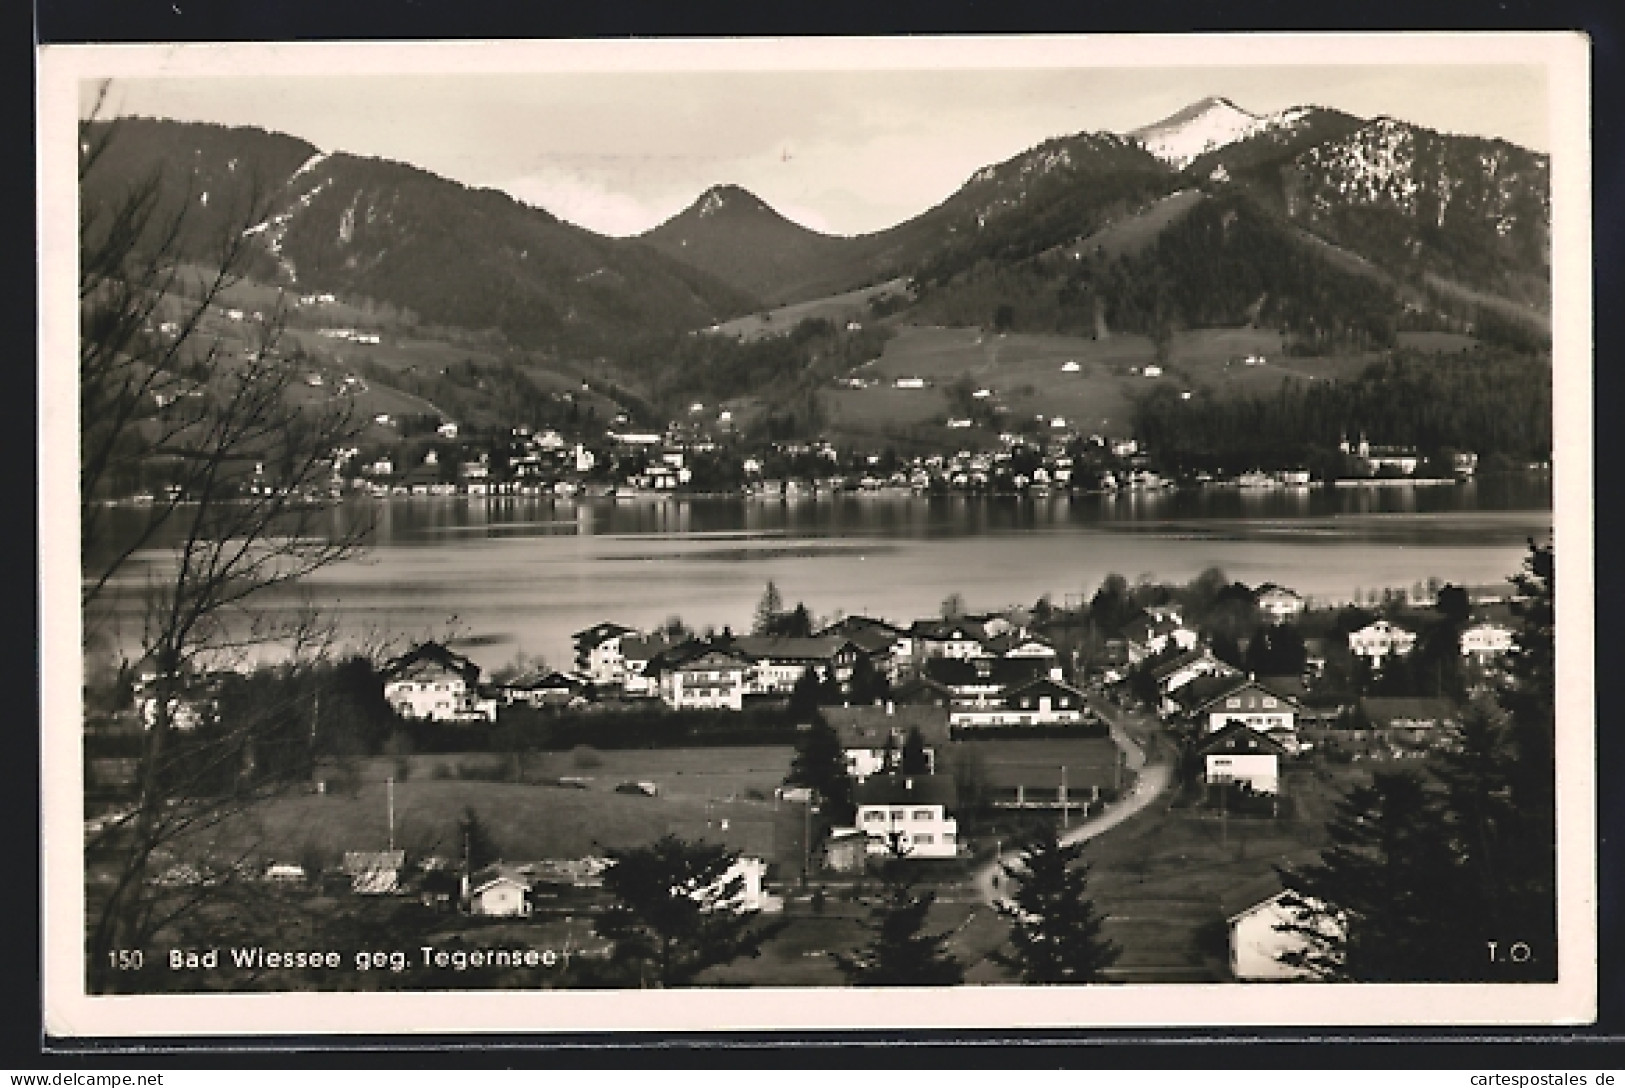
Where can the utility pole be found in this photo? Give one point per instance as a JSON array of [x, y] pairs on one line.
[[389, 794], [806, 840], [1066, 809]]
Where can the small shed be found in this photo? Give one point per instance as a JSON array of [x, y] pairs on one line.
[[1259, 938], [499, 894]]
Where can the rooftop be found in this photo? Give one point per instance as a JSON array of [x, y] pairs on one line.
[[895, 789]]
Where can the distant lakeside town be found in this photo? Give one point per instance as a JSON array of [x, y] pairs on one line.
[[632, 464]]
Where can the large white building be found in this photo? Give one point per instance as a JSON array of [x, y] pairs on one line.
[[1279, 604], [1239, 754], [1044, 701], [908, 814], [598, 653], [438, 684], [778, 663], [1485, 642], [1376, 642], [715, 680], [1215, 702]]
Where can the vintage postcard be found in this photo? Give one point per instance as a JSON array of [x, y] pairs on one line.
[[1028, 532]]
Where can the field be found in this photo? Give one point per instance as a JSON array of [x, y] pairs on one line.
[[1036, 764], [702, 774], [402, 347], [848, 306], [1023, 373], [1135, 232], [526, 821], [1169, 877], [1022, 370]]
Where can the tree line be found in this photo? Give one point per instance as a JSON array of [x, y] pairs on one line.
[[1433, 875], [1490, 401]]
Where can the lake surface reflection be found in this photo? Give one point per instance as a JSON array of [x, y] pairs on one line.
[[512, 574]]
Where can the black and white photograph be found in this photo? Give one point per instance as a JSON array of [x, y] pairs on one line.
[[1069, 527]]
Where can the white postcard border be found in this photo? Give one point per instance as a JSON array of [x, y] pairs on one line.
[[69, 1011]]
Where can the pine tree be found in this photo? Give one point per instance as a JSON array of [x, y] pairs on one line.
[[820, 765], [1054, 929], [1529, 696], [915, 760], [474, 840], [1384, 902], [888, 756], [901, 952], [767, 610], [807, 694], [676, 911], [1424, 872]]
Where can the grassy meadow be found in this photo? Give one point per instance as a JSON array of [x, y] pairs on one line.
[[847, 306]]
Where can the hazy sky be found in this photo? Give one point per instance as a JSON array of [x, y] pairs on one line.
[[844, 151]]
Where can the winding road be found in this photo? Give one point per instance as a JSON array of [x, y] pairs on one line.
[[1150, 780]]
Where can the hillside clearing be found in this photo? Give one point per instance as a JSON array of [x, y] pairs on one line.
[[848, 306], [1134, 233]]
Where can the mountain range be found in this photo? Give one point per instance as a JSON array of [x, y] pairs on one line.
[[1129, 227]]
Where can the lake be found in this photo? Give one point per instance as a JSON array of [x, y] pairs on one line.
[[506, 575]]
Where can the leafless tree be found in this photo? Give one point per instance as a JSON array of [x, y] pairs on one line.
[[206, 423]]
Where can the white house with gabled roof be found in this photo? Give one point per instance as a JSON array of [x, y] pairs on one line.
[[1376, 642]]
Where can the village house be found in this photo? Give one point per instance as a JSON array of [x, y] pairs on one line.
[[713, 680], [886, 646], [1382, 460], [907, 813], [955, 639], [636, 652], [983, 681], [864, 731], [1486, 642], [435, 683], [1278, 604], [1258, 941], [598, 653], [1150, 634], [541, 689], [751, 895], [497, 892], [1212, 703], [1040, 702], [777, 663], [1239, 753], [1021, 644], [1173, 675], [1376, 642]]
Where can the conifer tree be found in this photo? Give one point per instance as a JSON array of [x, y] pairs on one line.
[[901, 952], [915, 760], [675, 911], [767, 610], [1054, 929], [820, 765], [474, 841], [1424, 872]]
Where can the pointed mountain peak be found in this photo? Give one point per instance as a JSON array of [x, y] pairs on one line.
[[1210, 108], [1202, 126], [729, 198]]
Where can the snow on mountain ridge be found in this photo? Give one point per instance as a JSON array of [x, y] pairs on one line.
[[1181, 138], [1197, 129]]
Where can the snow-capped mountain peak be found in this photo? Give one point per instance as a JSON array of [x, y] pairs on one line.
[[1202, 127]]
